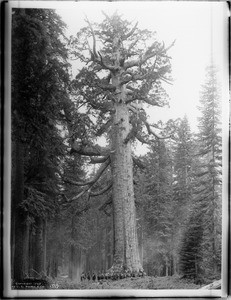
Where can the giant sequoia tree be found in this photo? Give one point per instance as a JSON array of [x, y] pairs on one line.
[[124, 67]]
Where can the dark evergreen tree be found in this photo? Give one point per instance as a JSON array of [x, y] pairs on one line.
[[182, 183], [200, 254], [183, 164], [156, 203], [39, 79], [209, 173], [191, 244]]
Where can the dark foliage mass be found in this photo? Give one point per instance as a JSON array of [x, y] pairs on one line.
[[62, 213]]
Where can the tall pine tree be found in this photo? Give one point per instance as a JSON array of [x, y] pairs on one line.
[[200, 253], [209, 175]]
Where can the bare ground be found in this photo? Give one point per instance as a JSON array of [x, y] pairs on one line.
[[147, 282]]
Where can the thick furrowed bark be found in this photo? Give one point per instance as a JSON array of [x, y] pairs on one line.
[[126, 246]]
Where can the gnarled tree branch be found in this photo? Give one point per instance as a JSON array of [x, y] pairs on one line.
[[138, 162], [97, 57], [148, 54], [102, 191], [148, 126], [139, 97], [151, 101], [105, 65], [132, 45], [125, 37], [106, 87], [141, 139], [98, 160], [91, 182], [130, 135], [138, 62], [104, 127], [107, 202], [150, 131], [95, 150], [94, 53]]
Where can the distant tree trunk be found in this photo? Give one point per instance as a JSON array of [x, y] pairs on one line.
[[141, 240], [12, 233], [26, 249], [19, 231], [166, 266], [75, 264], [39, 247], [12, 242], [44, 246], [53, 263], [196, 268], [79, 266], [109, 247], [31, 251], [71, 262], [174, 263], [72, 251]]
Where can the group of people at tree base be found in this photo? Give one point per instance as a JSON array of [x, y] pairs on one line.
[[94, 276]]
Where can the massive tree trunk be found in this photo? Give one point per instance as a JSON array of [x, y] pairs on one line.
[[126, 245]]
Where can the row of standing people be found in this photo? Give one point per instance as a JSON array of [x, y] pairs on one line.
[[97, 276]]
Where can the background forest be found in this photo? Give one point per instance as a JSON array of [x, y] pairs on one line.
[[62, 228]]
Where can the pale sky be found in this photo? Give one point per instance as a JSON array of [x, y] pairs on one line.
[[196, 26]]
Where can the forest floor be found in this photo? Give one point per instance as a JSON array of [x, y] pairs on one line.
[[147, 282]]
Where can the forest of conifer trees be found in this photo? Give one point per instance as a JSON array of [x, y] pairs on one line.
[[84, 210]]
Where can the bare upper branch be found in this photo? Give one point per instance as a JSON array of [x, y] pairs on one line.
[[130, 33], [150, 131], [132, 45], [138, 62], [95, 55], [141, 139], [150, 52], [150, 101]]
